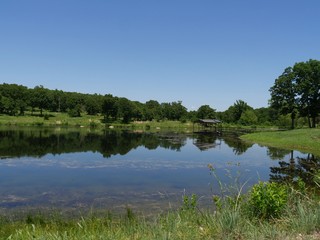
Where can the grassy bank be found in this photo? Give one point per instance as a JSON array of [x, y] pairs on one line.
[[88, 121], [234, 218], [305, 140]]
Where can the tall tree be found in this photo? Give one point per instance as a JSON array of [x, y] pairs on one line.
[[206, 112], [109, 107], [40, 98], [239, 107], [14, 98], [126, 109], [152, 110], [178, 110], [308, 89], [283, 94], [93, 103], [248, 117]]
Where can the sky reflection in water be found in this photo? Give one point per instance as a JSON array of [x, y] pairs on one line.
[[144, 178]]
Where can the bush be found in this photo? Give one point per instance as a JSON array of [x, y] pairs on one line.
[[267, 200], [74, 113]]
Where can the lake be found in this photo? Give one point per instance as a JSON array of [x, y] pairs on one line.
[[77, 170]]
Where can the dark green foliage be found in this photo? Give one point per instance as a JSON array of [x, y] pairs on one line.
[[206, 112], [76, 112], [173, 111], [283, 94], [40, 98], [93, 104], [126, 109], [239, 107], [13, 99], [109, 107], [267, 200], [297, 91]]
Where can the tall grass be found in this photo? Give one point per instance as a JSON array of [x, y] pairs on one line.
[[300, 219]]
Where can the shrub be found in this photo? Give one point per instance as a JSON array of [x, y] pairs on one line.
[[267, 200]]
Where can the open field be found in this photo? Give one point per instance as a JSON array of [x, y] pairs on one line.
[[50, 119], [89, 121], [304, 140]]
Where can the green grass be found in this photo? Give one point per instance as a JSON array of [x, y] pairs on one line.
[[64, 120], [304, 140], [54, 119]]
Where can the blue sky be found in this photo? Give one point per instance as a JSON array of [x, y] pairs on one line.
[[198, 52]]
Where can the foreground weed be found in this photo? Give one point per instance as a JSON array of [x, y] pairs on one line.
[[190, 202], [267, 200], [231, 194]]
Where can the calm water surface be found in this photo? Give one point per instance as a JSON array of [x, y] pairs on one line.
[[149, 172]]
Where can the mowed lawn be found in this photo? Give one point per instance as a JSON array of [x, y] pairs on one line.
[[304, 140]]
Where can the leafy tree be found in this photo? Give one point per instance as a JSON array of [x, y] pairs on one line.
[[138, 109], [109, 107], [58, 101], [74, 99], [205, 112], [308, 89], [297, 90], [192, 116], [248, 117], [178, 110], [152, 110], [227, 116], [266, 115], [283, 94], [93, 104], [14, 98], [76, 111], [239, 107], [173, 111], [8, 105], [125, 109], [40, 98]]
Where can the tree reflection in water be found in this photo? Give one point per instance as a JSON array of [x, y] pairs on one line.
[[289, 171], [37, 142]]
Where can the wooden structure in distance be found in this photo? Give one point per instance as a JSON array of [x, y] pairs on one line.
[[207, 125]]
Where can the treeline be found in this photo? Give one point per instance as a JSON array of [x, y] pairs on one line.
[[295, 101], [17, 100]]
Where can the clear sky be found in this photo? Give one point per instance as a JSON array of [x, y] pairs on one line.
[[195, 51]]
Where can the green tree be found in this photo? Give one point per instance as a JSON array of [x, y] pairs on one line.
[[126, 109], [297, 90], [266, 115], [178, 111], [58, 101], [206, 112], [40, 98], [152, 110], [8, 105], [173, 111], [14, 98], [93, 103], [109, 107], [240, 107], [248, 117], [283, 94], [308, 89]]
